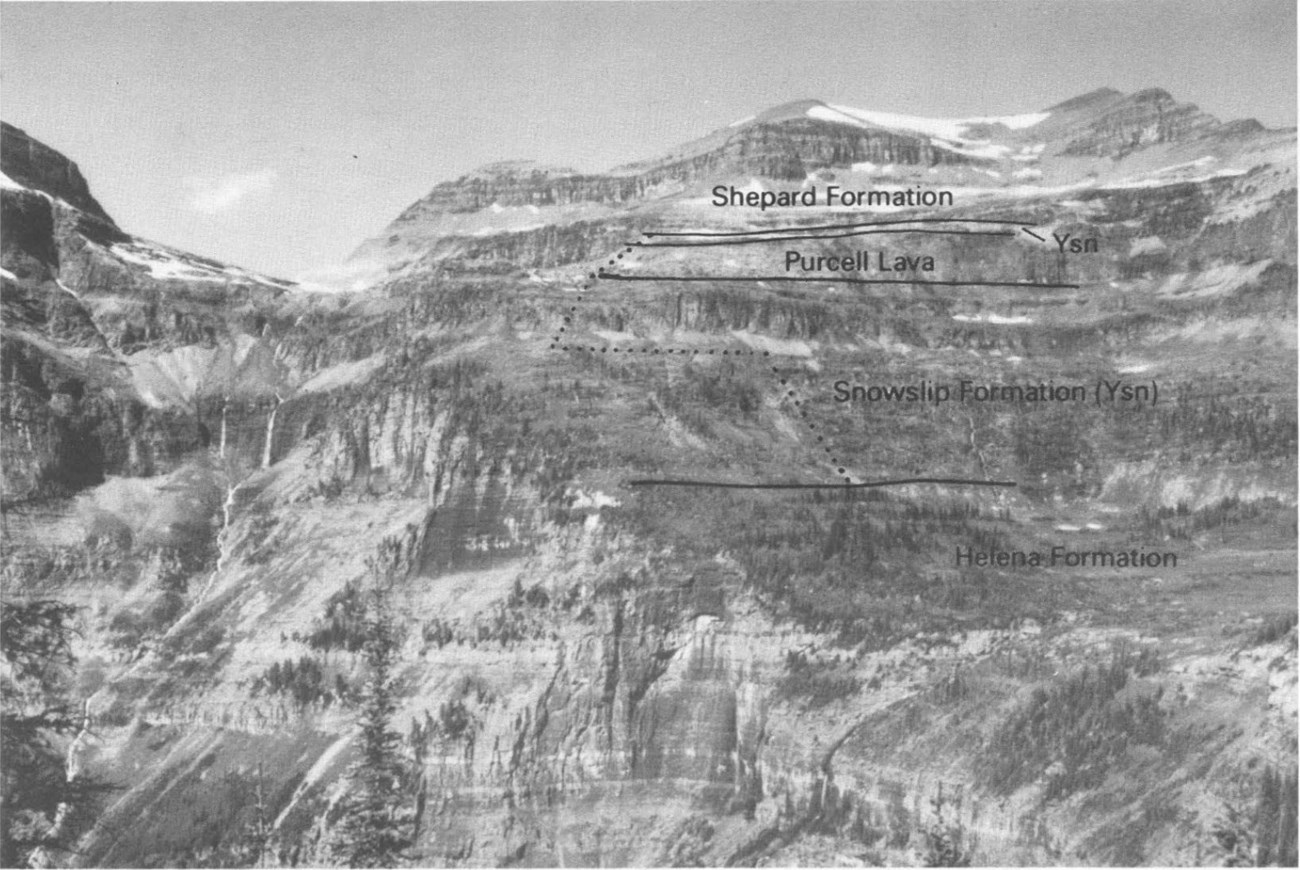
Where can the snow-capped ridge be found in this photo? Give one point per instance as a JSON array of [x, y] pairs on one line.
[[944, 128], [165, 263], [950, 134]]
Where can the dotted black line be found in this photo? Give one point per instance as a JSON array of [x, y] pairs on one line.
[[557, 340], [667, 351], [586, 285], [783, 382], [557, 343]]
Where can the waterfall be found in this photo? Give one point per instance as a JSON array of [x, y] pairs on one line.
[[226, 510], [223, 428], [270, 433], [73, 764]]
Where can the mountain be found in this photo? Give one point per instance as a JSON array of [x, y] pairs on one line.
[[107, 335], [588, 439], [1101, 139]]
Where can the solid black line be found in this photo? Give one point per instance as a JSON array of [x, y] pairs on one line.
[[1034, 234], [867, 485], [802, 280], [848, 226], [836, 236]]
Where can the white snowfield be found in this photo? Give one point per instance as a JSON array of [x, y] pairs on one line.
[[595, 501], [165, 264], [946, 133], [343, 374], [971, 148], [943, 128], [7, 183], [993, 318], [1163, 178]]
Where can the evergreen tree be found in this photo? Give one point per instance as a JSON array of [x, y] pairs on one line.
[[1234, 841], [944, 845], [1262, 834], [40, 783], [376, 825], [256, 844]]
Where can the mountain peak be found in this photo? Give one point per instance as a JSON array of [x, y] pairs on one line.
[[1152, 95], [519, 169], [788, 111], [1091, 99], [35, 165]]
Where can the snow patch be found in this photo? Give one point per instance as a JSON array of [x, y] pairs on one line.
[[993, 318], [1146, 245], [944, 128], [348, 277], [160, 265], [1029, 190], [165, 264], [1167, 176], [1029, 153], [786, 347], [314, 775], [613, 337], [946, 133], [826, 113], [498, 208], [595, 501], [7, 183], [1216, 281], [973, 148], [343, 374]]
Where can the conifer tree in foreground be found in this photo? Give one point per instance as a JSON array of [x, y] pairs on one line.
[[376, 824]]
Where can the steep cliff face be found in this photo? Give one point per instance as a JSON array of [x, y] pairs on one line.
[[35, 165], [217, 467]]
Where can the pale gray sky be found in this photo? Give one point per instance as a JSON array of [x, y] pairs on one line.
[[278, 136]]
